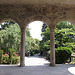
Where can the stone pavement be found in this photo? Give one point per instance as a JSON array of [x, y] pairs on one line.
[[37, 66]]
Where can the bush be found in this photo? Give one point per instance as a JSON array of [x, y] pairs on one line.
[[36, 51], [10, 55], [31, 53], [9, 58], [62, 54], [15, 60], [14, 54], [5, 59], [1, 56], [48, 55]]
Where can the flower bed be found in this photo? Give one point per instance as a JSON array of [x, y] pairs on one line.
[[9, 58]]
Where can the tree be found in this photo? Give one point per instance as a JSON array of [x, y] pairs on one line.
[[45, 43], [64, 33], [64, 36], [10, 36], [6, 24]]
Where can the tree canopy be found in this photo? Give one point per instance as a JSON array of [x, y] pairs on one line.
[[64, 36], [10, 36]]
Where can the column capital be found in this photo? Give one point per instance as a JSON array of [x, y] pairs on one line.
[[52, 27], [23, 29]]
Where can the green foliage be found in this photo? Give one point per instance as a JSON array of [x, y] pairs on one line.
[[46, 34], [10, 55], [64, 36], [10, 38], [27, 32], [44, 27], [6, 24], [10, 58], [1, 56], [48, 55], [70, 45], [15, 60], [45, 43], [5, 59], [31, 44], [31, 53], [65, 24], [62, 54]]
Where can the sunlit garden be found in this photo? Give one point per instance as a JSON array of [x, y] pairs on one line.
[[10, 43]]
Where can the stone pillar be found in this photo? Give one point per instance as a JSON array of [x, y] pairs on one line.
[[22, 51], [52, 49]]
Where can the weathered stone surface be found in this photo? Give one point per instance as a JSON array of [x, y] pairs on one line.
[[50, 2], [28, 13]]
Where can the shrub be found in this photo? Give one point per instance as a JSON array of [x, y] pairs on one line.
[[5, 59], [31, 53], [62, 54], [15, 60], [10, 55], [1, 56], [36, 51], [48, 55], [9, 58], [14, 54]]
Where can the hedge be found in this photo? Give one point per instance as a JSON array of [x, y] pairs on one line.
[[62, 54]]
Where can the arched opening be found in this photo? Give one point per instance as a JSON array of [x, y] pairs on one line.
[[37, 43], [65, 42], [9, 42]]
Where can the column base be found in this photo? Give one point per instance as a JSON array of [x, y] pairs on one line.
[[22, 65], [52, 65]]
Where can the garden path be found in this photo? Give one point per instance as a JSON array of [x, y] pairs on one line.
[[36, 60], [37, 65]]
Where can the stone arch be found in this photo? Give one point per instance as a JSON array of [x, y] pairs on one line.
[[38, 18], [62, 18], [10, 19]]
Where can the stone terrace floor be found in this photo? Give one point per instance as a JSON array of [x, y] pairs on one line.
[[41, 67]]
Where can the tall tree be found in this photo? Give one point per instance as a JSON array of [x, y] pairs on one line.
[[6, 24], [64, 36], [10, 38]]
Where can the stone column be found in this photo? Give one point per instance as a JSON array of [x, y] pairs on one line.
[[52, 49], [22, 51]]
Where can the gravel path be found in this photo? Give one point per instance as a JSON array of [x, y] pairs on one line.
[[35, 60]]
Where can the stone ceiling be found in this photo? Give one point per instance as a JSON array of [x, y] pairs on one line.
[[50, 2]]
